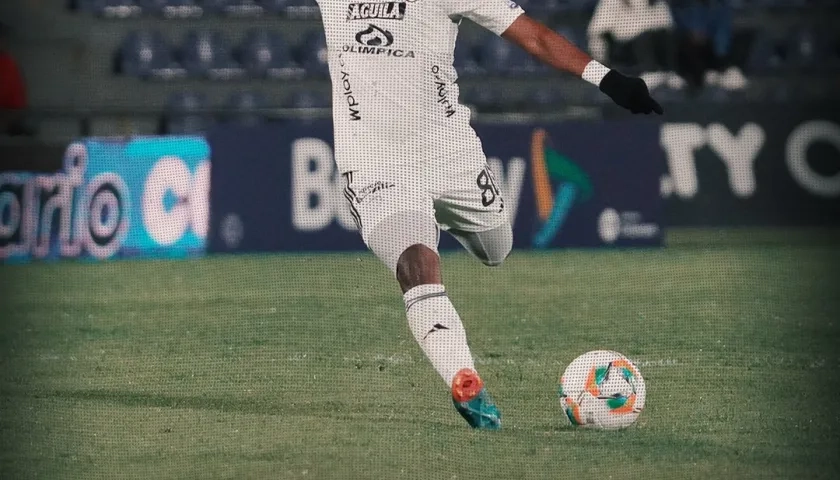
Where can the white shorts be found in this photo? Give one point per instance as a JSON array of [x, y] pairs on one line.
[[457, 196]]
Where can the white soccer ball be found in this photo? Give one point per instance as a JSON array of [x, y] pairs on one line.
[[602, 389]]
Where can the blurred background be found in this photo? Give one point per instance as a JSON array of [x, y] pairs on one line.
[[123, 67]]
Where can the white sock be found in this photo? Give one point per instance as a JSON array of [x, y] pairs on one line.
[[438, 329]]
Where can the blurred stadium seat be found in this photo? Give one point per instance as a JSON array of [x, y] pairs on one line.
[[172, 8], [545, 99], [575, 35], [146, 54], [566, 6], [814, 50], [293, 9], [184, 113], [500, 57], [308, 99], [484, 98], [247, 108], [234, 7], [466, 60], [766, 54], [264, 53], [110, 8], [312, 53], [207, 54]]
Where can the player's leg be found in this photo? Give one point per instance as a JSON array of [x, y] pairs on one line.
[[400, 229], [491, 246]]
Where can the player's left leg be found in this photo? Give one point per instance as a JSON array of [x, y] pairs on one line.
[[407, 243]]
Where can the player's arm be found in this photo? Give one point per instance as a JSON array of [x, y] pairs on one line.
[[553, 49]]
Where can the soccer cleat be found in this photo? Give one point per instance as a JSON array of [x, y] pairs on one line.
[[473, 402]]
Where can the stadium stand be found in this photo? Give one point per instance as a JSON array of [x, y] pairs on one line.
[[221, 48]]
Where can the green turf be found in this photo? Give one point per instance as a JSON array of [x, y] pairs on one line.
[[274, 367]]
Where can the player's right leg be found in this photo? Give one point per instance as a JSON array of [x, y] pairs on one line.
[[397, 224]]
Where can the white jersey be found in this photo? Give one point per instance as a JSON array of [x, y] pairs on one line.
[[395, 97]]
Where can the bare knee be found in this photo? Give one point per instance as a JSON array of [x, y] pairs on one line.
[[418, 265]]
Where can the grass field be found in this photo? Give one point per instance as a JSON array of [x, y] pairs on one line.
[[275, 367]]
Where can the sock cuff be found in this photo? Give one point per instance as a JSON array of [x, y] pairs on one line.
[[423, 292]]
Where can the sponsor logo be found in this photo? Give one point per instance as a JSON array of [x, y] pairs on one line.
[[374, 36], [378, 11], [371, 189], [87, 208], [559, 184], [613, 225], [37, 210], [739, 152], [347, 91], [442, 92], [375, 41]]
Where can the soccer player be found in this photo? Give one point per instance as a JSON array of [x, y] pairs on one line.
[[413, 165]]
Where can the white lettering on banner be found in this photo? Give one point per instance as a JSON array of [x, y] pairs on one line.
[[312, 169], [313, 179], [200, 200], [167, 223], [107, 218], [95, 219], [680, 140], [510, 182], [738, 153], [613, 225], [797, 157]]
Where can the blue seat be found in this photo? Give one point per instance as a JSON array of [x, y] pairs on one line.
[[564, 6], [277, 7], [767, 54], [110, 8], [466, 59], [575, 35], [264, 54], [546, 99], [483, 98], [313, 54], [813, 50], [172, 8], [296, 9], [185, 115], [146, 54], [235, 8], [501, 57], [711, 94], [247, 108], [207, 54], [308, 99]]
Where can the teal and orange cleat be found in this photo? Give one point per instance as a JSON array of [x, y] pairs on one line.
[[473, 402]]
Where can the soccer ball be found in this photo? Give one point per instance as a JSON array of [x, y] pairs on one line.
[[602, 389]]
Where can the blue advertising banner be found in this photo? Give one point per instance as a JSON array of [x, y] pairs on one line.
[[575, 184], [138, 197]]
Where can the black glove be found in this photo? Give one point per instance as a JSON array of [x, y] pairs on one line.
[[629, 92]]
